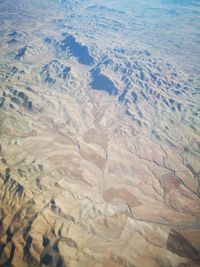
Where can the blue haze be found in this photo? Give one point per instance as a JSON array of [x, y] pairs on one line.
[[169, 27]]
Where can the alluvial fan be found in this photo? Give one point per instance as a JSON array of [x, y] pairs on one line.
[[99, 133]]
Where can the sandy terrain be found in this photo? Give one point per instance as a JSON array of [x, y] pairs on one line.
[[87, 181]]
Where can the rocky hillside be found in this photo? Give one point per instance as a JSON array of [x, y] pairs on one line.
[[99, 143]]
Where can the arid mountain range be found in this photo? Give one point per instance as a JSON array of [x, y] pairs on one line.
[[99, 142]]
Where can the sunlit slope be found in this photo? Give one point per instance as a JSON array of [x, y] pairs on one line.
[[99, 143]]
